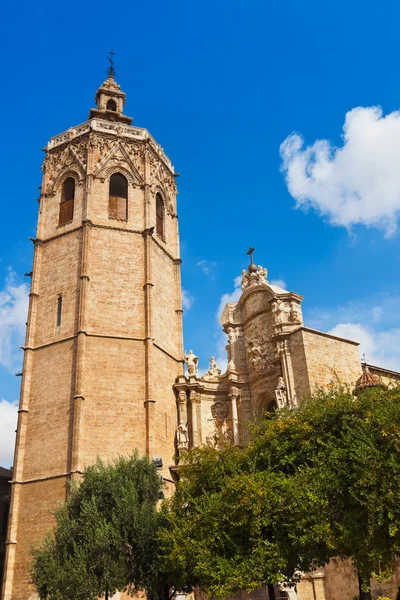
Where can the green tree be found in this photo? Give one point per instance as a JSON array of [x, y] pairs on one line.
[[316, 483], [105, 538]]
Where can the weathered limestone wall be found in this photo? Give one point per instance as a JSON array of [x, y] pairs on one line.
[[115, 290], [62, 255], [37, 502], [327, 357], [113, 416], [49, 418]]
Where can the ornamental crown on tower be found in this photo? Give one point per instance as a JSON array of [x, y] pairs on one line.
[[110, 99]]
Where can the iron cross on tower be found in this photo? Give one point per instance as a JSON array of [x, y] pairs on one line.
[[111, 72], [250, 253]]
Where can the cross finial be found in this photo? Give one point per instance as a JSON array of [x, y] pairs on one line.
[[250, 253], [111, 72], [364, 359]]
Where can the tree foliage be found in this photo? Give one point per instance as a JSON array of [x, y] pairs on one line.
[[316, 483], [105, 536]]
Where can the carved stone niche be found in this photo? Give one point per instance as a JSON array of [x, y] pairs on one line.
[[219, 411]]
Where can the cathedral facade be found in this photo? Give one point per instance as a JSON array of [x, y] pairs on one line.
[[104, 364]]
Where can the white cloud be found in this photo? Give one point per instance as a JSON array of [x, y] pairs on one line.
[[207, 267], [232, 297], [278, 283], [357, 183], [381, 348], [187, 299], [13, 314], [8, 424]]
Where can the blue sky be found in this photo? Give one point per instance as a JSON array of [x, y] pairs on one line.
[[221, 85]]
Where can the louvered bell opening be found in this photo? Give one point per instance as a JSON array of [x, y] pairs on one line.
[[118, 198], [66, 214]]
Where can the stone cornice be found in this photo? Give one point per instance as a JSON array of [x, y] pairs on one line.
[[146, 232], [128, 132], [323, 334]]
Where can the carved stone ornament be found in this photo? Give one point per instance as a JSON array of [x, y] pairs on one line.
[[259, 277], [282, 347], [212, 372], [259, 351], [191, 361], [219, 411]]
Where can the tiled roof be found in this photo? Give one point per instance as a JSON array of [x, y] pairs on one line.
[[367, 379]]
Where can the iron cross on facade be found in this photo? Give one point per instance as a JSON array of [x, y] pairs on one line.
[[111, 72], [250, 253]]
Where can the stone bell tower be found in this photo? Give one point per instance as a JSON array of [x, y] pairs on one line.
[[104, 335]]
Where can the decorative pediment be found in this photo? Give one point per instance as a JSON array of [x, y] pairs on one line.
[[57, 164], [115, 158]]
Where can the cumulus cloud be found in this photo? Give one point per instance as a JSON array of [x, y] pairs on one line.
[[281, 283], [356, 183], [207, 266], [8, 423], [187, 299], [381, 348], [231, 297], [13, 314]]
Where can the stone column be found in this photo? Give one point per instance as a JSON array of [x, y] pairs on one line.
[[149, 401], [182, 407], [74, 459], [283, 349], [234, 395], [194, 401]]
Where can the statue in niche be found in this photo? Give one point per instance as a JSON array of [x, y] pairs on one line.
[[192, 361], [280, 311], [182, 436], [280, 393], [212, 372], [295, 313]]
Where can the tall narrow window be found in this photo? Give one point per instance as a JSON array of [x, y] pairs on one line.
[[118, 198], [59, 310], [159, 215], [67, 201]]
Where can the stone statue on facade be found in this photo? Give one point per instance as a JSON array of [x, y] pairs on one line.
[[280, 311], [280, 393], [192, 361], [255, 276], [245, 279], [295, 313], [182, 437], [262, 274]]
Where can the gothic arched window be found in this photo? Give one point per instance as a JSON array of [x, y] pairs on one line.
[[111, 105], [118, 197], [67, 201], [159, 215]]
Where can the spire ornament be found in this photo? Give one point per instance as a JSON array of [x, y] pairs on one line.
[[111, 72], [252, 266]]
